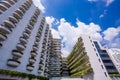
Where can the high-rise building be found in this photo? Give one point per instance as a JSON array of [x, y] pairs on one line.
[[25, 39], [115, 55], [89, 61], [106, 59], [55, 58], [65, 71]]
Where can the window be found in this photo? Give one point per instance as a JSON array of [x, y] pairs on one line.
[[99, 60], [102, 66], [105, 74], [94, 49], [96, 54]]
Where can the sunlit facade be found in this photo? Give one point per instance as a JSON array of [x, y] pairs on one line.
[[25, 38], [86, 62]]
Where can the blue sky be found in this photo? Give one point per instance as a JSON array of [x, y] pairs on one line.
[[70, 18], [85, 11]]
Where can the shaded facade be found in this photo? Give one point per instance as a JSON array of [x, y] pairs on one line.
[[65, 70], [115, 55], [55, 58]]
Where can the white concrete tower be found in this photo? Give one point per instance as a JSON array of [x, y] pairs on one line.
[[24, 35]]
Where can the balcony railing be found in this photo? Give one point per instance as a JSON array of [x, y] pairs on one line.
[[13, 62], [34, 53], [20, 47], [20, 12], [3, 37], [35, 48], [13, 19], [10, 1], [4, 30], [9, 24], [22, 9], [24, 6], [37, 39], [17, 16], [30, 27], [26, 35], [17, 53], [3, 7], [30, 67], [23, 40], [32, 60], [7, 4], [28, 30]]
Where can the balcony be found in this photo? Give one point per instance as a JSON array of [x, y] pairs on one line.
[[24, 6], [26, 35], [13, 62], [37, 39], [38, 34], [14, 1], [34, 19], [28, 3], [41, 63], [36, 43], [40, 71], [30, 27], [30, 67], [6, 3], [22, 9], [23, 40], [43, 45], [13, 19], [1, 44], [27, 6], [16, 15], [32, 23], [40, 29], [3, 37], [34, 53], [42, 58], [37, 11], [4, 30], [17, 53], [32, 60], [35, 48], [20, 12], [28, 30], [20, 47], [35, 15], [10, 1], [3, 7], [9, 24]]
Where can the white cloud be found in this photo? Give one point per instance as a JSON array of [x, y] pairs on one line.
[[108, 2], [50, 20], [71, 33], [55, 34], [103, 14], [39, 5], [92, 0], [110, 33]]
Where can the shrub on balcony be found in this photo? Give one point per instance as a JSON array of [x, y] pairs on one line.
[[82, 72], [114, 75], [22, 75]]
